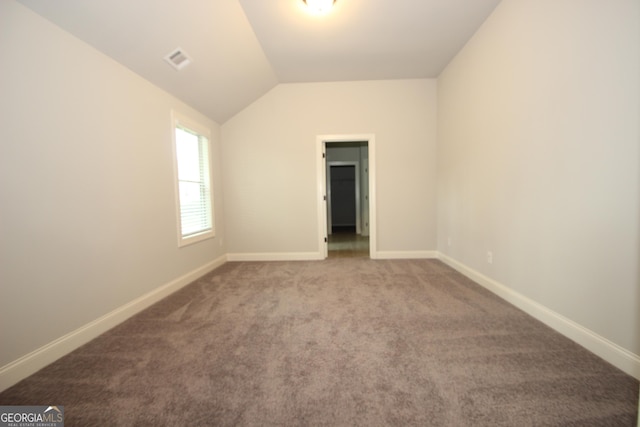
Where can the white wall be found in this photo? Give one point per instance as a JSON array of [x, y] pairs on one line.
[[87, 215], [269, 153], [538, 157]]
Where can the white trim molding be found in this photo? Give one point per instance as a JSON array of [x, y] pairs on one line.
[[32, 362], [600, 346], [276, 256], [407, 254]]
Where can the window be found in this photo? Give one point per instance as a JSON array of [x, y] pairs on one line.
[[191, 144]]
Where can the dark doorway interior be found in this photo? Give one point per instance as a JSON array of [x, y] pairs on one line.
[[343, 198]]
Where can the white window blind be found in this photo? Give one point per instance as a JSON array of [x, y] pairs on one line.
[[193, 184]]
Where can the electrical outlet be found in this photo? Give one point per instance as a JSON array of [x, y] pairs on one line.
[[449, 241], [490, 257]]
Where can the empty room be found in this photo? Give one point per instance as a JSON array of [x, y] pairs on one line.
[[168, 173]]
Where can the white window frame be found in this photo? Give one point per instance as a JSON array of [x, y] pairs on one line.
[[181, 120]]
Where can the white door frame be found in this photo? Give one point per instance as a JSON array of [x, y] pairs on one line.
[[356, 166], [321, 179]]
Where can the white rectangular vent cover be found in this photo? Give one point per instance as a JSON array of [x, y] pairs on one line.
[[178, 59]]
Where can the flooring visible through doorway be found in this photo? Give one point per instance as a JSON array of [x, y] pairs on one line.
[[345, 243]]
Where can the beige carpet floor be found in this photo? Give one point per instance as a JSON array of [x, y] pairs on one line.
[[340, 342]]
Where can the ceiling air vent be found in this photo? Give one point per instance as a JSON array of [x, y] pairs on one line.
[[178, 59]]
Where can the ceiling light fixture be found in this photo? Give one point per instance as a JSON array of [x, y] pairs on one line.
[[319, 6]]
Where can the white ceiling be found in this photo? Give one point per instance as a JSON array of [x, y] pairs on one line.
[[243, 48]]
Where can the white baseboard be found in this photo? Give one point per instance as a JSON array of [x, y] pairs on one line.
[[276, 256], [620, 357], [315, 256], [30, 363], [406, 254]]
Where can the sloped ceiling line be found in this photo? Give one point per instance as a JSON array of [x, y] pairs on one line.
[[243, 48]]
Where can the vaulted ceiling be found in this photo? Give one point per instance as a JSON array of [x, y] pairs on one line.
[[240, 49]]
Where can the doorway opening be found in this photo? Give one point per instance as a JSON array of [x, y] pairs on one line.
[[344, 202], [347, 191]]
